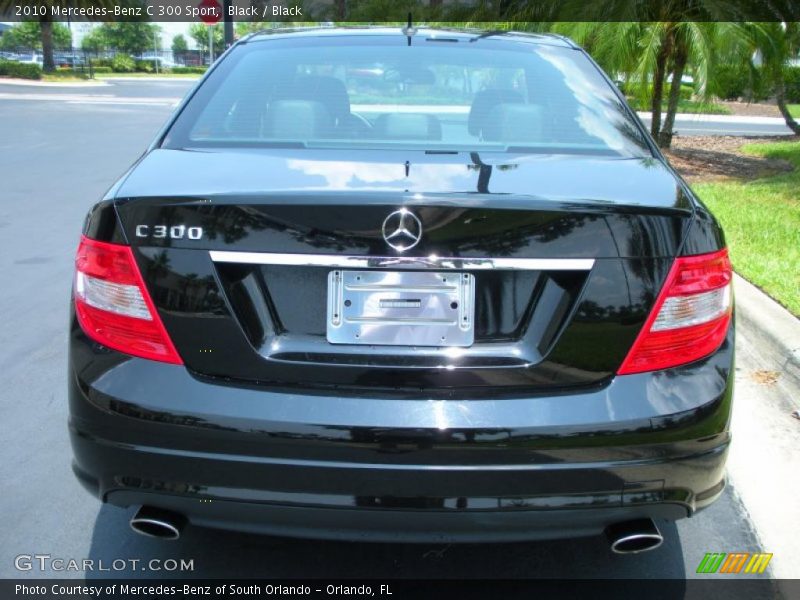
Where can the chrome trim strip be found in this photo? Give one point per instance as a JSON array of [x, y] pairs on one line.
[[402, 262]]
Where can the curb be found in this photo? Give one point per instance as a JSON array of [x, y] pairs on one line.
[[775, 331]]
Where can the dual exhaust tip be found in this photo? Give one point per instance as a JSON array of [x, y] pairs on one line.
[[628, 537], [633, 537], [158, 523]]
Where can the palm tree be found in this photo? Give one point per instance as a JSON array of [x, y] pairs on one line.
[[775, 44], [653, 57], [696, 44]]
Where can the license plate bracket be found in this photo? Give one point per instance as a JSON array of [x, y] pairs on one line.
[[401, 308]]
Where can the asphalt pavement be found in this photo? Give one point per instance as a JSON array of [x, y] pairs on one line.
[[56, 159]]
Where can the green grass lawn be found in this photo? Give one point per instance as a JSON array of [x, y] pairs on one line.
[[761, 219], [794, 110]]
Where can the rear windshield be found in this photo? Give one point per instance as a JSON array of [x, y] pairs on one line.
[[433, 95]]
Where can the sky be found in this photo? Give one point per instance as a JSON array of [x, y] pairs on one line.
[[170, 30]]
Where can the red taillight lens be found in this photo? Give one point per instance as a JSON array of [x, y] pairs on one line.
[[112, 303], [690, 317]]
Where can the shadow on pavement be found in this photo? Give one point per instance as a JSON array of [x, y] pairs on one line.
[[221, 554]]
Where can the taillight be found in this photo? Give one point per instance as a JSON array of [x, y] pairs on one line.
[[112, 303], [690, 318]]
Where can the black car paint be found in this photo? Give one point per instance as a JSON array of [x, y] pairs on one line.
[[565, 217], [298, 444], [649, 444]]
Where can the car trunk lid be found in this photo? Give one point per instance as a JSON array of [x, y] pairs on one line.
[[238, 251]]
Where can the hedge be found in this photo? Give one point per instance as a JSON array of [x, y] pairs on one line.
[[189, 70], [106, 65], [10, 68], [730, 82]]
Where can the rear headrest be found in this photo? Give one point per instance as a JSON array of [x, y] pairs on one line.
[[514, 123], [297, 120], [408, 126], [484, 103], [319, 88]]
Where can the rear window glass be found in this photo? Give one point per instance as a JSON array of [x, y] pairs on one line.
[[458, 96]]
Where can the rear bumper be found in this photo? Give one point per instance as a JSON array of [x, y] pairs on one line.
[[402, 526], [399, 469]]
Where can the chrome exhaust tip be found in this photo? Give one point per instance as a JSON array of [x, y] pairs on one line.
[[633, 537], [158, 523]]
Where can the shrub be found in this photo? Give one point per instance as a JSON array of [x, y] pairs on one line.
[[10, 68], [193, 70], [101, 69], [730, 82], [145, 66], [791, 78], [123, 63], [101, 62], [760, 87]]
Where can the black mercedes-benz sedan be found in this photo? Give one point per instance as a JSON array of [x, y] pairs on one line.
[[412, 285]]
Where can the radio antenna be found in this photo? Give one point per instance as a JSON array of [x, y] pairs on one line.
[[409, 29]]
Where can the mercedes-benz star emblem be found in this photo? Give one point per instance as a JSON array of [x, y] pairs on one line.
[[402, 230]]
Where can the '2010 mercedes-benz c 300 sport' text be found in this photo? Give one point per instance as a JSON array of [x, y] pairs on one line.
[[390, 285]]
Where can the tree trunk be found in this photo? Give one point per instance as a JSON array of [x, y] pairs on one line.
[[46, 24], [658, 84], [780, 98], [341, 9], [665, 135]]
